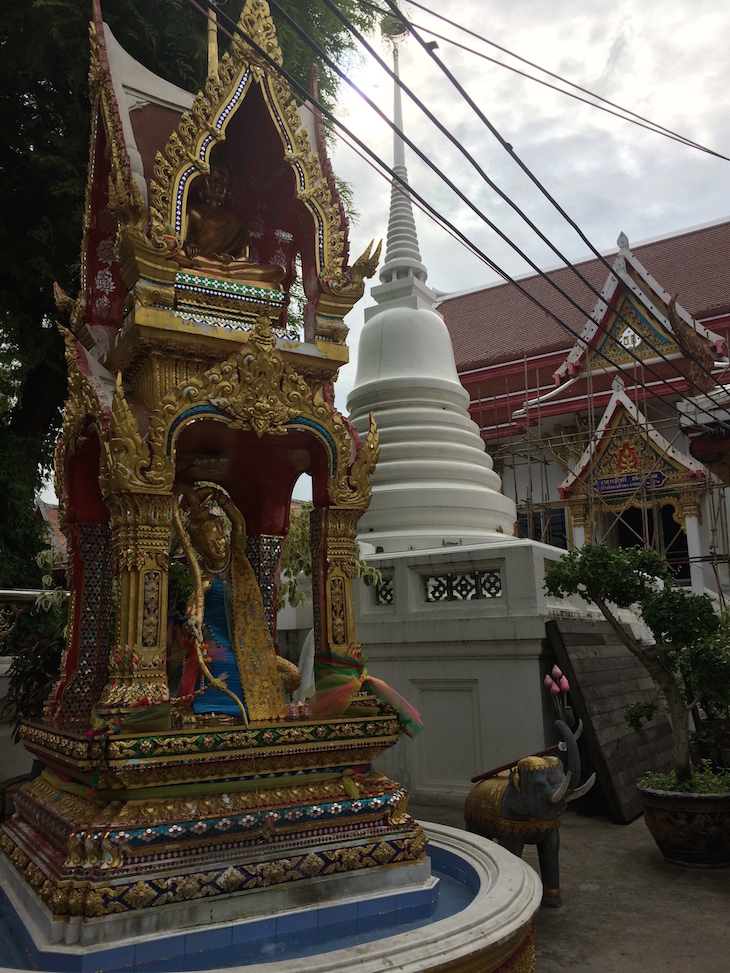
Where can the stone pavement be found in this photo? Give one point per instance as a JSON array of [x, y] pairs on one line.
[[624, 909]]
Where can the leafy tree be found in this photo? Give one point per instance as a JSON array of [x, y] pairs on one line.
[[44, 142], [683, 624], [296, 558]]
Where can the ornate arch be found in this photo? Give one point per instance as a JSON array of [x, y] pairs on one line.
[[188, 150], [253, 390]]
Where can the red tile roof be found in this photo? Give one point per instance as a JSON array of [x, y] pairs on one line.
[[499, 324]]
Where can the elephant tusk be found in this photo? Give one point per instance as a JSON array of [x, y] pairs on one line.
[[559, 794], [579, 730], [583, 789]]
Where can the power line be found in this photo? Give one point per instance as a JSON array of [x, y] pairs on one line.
[[307, 96], [353, 30], [648, 123], [430, 51]]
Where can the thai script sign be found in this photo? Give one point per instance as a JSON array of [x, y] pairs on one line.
[[630, 481]]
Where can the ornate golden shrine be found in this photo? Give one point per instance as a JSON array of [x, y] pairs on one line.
[[182, 370]]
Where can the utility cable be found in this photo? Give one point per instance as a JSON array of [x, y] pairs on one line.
[[306, 96], [652, 126], [429, 49], [331, 6], [467, 155], [645, 124]]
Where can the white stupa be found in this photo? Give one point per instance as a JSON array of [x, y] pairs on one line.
[[434, 484]]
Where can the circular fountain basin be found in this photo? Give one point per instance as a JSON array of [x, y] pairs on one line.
[[492, 897]]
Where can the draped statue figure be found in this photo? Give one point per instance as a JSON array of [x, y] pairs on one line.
[[230, 651]]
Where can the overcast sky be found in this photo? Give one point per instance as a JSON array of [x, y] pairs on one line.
[[663, 59]]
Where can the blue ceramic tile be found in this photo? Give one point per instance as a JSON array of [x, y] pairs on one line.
[[203, 940], [59, 962], [335, 933], [160, 949], [302, 939], [296, 922], [258, 951], [262, 929], [375, 921], [108, 960], [415, 914], [213, 958], [24, 943], [337, 914], [160, 965], [382, 905], [413, 899]]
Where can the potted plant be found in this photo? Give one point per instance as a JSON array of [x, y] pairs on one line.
[[688, 809]]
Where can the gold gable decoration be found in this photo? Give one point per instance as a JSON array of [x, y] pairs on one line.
[[628, 450], [255, 389], [195, 394], [125, 199], [630, 337]]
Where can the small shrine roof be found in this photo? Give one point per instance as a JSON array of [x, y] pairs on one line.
[[149, 107], [498, 324]]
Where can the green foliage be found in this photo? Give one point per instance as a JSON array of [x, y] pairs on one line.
[[21, 532], [623, 577], [326, 30], [638, 578], [36, 645], [704, 780], [689, 657], [369, 575], [636, 713], [179, 588], [705, 666], [296, 557]]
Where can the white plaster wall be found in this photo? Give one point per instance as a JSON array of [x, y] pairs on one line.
[[472, 668]]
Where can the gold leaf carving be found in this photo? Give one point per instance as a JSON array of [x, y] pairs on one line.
[[351, 487], [129, 462]]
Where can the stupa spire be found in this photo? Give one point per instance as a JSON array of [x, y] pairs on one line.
[[402, 256], [403, 274]]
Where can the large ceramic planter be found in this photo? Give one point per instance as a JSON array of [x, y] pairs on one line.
[[690, 829]]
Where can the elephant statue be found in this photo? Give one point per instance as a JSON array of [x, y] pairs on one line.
[[524, 803]]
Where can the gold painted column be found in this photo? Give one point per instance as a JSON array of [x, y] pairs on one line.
[[341, 553], [580, 528], [140, 531]]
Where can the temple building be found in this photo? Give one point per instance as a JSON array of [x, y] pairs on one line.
[[602, 403]]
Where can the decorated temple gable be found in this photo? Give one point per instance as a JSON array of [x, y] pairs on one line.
[[636, 320], [630, 464], [628, 452]]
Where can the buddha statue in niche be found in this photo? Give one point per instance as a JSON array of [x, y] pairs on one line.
[[216, 240]]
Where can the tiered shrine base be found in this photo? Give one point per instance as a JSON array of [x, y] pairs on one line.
[[119, 832]]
